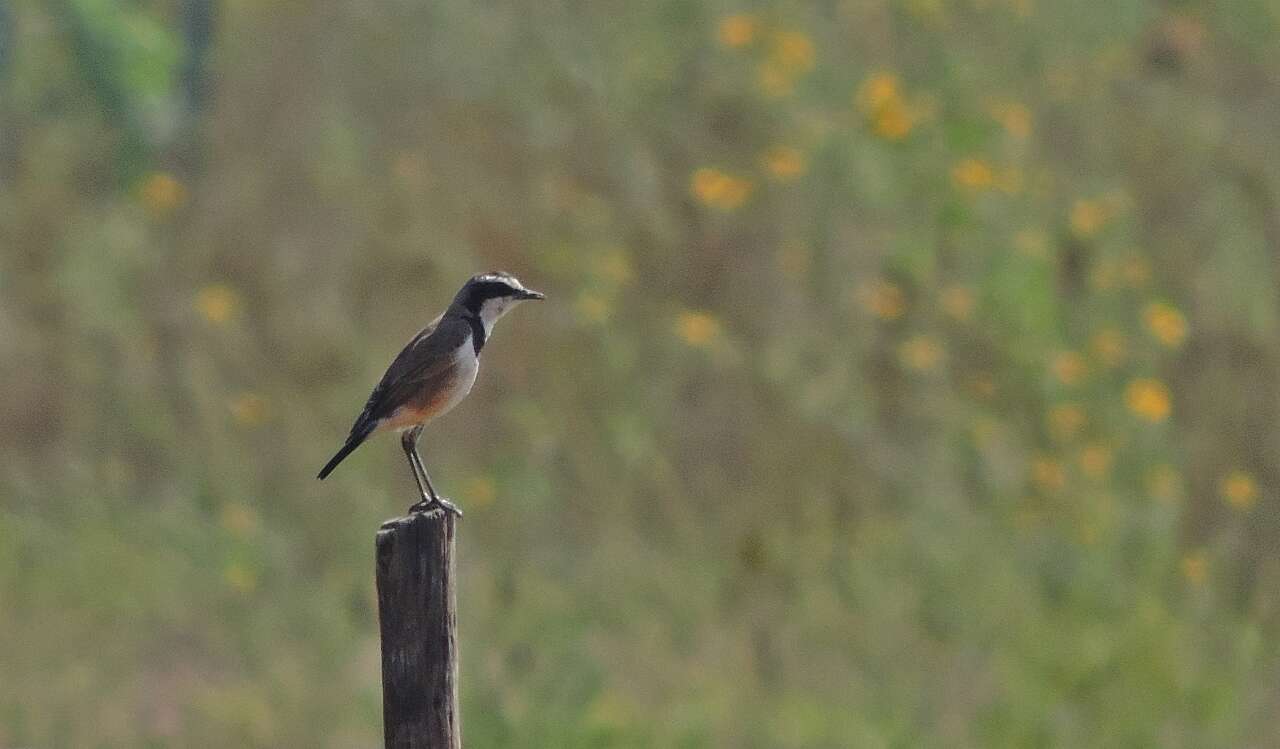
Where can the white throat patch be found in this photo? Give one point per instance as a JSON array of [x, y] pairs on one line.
[[492, 309]]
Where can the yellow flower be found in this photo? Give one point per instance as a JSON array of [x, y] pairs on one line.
[[972, 174], [480, 492], [709, 185], [793, 51], [218, 303], [162, 193], [1148, 399], [1066, 420], [785, 163], [248, 409], [238, 518], [1239, 490], [920, 353], [893, 123], [1095, 461], [1068, 367], [1108, 345], [1163, 483], [1048, 474], [877, 92], [1014, 118], [1166, 324], [957, 301], [738, 30], [698, 329], [1087, 217], [882, 103], [883, 299], [720, 190], [1195, 567]]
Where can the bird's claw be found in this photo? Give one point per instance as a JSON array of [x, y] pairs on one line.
[[448, 506], [444, 504]]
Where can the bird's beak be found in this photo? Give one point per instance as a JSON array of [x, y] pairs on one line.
[[531, 294]]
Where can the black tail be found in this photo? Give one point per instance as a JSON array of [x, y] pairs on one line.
[[352, 443]]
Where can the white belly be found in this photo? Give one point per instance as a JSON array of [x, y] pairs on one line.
[[462, 377], [468, 368]]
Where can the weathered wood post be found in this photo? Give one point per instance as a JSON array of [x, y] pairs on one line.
[[418, 616]]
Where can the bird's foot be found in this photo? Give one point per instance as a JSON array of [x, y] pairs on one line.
[[449, 506], [444, 504]]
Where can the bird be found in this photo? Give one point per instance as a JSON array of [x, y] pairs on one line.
[[433, 373]]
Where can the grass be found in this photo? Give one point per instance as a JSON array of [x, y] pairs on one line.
[[906, 379]]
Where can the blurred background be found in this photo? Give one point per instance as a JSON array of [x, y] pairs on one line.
[[909, 377]]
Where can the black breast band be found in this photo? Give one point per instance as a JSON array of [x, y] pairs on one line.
[[477, 333]]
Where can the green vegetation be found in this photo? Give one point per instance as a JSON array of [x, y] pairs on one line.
[[909, 377]]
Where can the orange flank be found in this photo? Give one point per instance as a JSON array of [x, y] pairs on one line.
[[418, 412]]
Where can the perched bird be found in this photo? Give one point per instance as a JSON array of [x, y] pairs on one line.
[[433, 373]]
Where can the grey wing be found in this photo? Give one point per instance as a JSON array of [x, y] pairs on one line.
[[427, 355]]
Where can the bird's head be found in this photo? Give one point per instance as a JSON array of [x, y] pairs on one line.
[[490, 295]]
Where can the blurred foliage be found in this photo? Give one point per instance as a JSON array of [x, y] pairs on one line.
[[909, 377]]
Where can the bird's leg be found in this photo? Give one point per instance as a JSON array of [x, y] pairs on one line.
[[435, 498], [416, 459], [407, 441]]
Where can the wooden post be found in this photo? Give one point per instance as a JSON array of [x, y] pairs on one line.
[[418, 615]]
